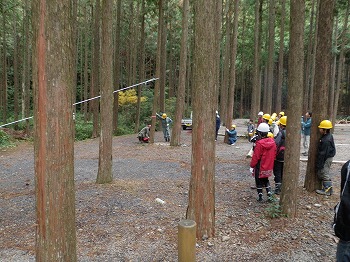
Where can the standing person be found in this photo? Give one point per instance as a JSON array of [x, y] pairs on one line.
[[261, 165], [341, 223], [218, 123], [143, 135], [250, 129], [280, 114], [166, 121], [232, 135], [260, 115], [279, 161], [326, 152], [306, 130]]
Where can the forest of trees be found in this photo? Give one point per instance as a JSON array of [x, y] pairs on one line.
[[147, 35]]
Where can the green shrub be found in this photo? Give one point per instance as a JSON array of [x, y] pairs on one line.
[[5, 140]]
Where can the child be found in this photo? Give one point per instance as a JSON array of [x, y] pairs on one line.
[[326, 152], [250, 129], [232, 135], [261, 165]]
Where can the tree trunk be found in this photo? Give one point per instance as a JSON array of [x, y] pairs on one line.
[[105, 150], [117, 65], [180, 101], [16, 60], [270, 63], [256, 89], [278, 104], [95, 83], [163, 59], [53, 81], [294, 104], [320, 94], [201, 207], [4, 67], [86, 64]]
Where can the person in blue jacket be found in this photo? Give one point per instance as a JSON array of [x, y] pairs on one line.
[[232, 135], [306, 130], [166, 121]]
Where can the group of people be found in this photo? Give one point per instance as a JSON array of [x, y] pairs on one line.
[[269, 146], [144, 134]]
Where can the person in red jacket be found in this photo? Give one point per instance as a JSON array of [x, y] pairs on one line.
[[261, 165]]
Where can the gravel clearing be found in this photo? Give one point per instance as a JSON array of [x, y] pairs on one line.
[[122, 221]]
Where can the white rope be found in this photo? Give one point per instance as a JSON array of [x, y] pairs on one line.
[[122, 89]]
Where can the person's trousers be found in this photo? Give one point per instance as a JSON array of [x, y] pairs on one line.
[[306, 143], [323, 174], [343, 251], [278, 171]]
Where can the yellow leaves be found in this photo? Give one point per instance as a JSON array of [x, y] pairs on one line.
[[129, 97]]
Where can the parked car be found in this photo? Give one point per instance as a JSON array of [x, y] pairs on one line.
[[186, 122]]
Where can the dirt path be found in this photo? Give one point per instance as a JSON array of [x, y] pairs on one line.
[[123, 222]]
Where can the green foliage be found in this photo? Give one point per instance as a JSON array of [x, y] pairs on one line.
[[5, 140], [274, 208], [83, 130]]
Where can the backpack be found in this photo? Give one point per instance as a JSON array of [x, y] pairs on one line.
[[280, 143]]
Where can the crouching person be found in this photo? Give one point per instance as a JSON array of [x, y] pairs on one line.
[[232, 135], [261, 165], [143, 135]]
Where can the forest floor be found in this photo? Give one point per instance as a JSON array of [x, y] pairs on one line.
[[122, 221]]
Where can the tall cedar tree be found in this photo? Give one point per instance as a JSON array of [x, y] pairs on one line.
[[320, 92], [105, 149], [201, 203], [294, 104], [53, 82]]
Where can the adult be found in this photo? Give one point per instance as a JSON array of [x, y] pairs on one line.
[[326, 152], [166, 121], [342, 216], [306, 130], [143, 135], [261, 165]]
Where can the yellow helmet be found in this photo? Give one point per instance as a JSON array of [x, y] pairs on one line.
[[281, 113], [233, 126], [164, 115], [273, 116], [270, 121], [283, 120], [269, 134], [266, 116], [325, 124]]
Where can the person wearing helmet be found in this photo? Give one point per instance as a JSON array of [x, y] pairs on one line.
[[280, 114], [260, 119], [261, 165], [266, 118], [232, 135], [166, 121], [306, 130], [250, 129], [326, 152], [143, 135], [279, 160]]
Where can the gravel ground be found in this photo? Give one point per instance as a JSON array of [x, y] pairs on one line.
[[123, 222]]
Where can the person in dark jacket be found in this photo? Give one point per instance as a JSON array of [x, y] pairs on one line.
[[261, 165], [166, 121], [143, 135], [342, 216], [326, 152], [279, 161], [217, 123]]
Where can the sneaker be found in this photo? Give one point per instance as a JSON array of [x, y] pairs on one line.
[[260, 198]]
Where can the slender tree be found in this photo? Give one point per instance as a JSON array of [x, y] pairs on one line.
[[180, 101], [53, 81], [201, 203], [294, 103], [105, 150]]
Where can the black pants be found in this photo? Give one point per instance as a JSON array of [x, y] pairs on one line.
[[278, 171]]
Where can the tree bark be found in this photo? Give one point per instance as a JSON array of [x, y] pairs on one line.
[[294, 104], [53, 81], [202, 191], [320, 94], [105, 149], [180, 101]]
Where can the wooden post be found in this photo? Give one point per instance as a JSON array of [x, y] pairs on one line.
[[187, 241]]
